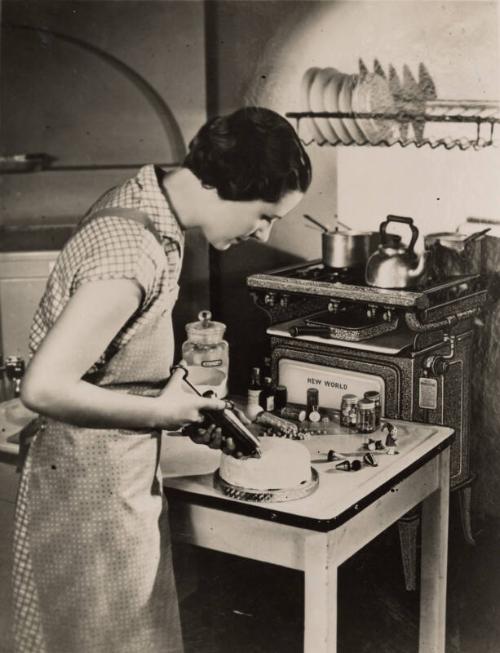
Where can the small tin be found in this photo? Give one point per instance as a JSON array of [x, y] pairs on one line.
[[297, 413]]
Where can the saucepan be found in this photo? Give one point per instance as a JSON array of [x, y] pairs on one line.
[[452, 254], [454, 240], [345, 248]]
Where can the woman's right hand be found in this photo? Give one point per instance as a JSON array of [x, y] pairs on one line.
[[176, 407]]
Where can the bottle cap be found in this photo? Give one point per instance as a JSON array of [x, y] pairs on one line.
[[372, 395], [366, 404]]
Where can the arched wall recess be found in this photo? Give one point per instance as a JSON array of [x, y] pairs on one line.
[[170, 126]]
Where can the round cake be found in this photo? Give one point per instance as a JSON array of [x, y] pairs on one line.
[[283, 464]]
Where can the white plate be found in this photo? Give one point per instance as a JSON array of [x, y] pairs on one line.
[[316, 102], [331, 102], [345, 106], [308, 126]]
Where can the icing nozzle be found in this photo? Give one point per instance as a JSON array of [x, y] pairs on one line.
[[370, 460], [345, 465]]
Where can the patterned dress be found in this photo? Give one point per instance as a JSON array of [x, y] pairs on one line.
[[92, 555]]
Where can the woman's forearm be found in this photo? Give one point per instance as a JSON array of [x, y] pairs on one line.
[[85, 404]]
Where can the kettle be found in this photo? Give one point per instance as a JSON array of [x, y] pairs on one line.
[[394, 265]]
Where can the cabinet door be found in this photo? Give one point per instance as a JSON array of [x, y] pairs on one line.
[[18, 302], [23, 276]]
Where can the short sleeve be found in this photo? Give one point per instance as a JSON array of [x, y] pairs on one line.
[[119, 249]]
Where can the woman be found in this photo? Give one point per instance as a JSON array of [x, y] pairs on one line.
[[93, 570]]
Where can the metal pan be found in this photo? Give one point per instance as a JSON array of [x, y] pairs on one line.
[[345, 248]]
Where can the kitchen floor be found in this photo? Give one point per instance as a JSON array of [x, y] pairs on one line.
[[242, 606]]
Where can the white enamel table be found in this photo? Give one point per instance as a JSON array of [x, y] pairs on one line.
[[318, 533]]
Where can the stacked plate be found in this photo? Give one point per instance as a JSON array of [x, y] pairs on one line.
[[329, 91]]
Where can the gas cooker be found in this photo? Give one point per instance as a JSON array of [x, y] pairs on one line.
[[315, 279]]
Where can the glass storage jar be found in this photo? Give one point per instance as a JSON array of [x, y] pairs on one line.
[[348, 410], [366, 422], [373, 395], [206, 354]]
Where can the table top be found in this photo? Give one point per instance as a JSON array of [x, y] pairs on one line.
[[188, 471]]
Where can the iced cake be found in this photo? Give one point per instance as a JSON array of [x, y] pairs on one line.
[[283, 464]]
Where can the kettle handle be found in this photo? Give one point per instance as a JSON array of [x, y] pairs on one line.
[[403, 220]]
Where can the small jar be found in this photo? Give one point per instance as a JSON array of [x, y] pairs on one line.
[[348, 412], [366, 416], [206, 354], [373, 395]]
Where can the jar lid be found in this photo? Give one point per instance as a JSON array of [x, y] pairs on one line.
[[350, 399], [372, 395], [366, 404], [206, 331]]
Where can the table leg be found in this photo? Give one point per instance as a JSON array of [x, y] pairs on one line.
[[320, 596], [435, 511]]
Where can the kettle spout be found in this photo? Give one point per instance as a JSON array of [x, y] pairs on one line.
[[418, 270]]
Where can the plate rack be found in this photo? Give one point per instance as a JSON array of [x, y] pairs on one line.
[[478, 118]]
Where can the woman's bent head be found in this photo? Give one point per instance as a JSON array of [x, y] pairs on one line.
[[251, 154]]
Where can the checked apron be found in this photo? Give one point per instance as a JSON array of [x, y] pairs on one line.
[[92, 553]]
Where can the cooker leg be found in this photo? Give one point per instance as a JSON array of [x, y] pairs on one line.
[[408, 531], [464, 501]]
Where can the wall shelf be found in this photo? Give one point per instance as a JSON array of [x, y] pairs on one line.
[[448, 118]]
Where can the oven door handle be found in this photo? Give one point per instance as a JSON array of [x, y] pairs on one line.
[[310, 330]]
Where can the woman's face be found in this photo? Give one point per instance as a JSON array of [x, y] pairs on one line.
[[236, 222]]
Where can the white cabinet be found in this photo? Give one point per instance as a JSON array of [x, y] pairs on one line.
[[23, 276]]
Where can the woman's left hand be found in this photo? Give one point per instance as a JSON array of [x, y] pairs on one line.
[[212, 436]]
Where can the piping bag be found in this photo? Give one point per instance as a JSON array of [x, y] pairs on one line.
[[227, 420]]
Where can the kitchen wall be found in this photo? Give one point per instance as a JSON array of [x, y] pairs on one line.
[[276, 42], [104, 87]]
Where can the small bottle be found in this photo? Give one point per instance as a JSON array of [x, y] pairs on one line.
[[266, 400], [312, 405], [373, 395], [253, 407], [348, 412], [366, 416], [280, 397]]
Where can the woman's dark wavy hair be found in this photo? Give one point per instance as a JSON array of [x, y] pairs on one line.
[[251, 154]]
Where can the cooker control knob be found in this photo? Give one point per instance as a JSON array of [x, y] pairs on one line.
[[387, 315], [371, 311], [440, 366], [437, 365], [270, 299], [333, 305], [283, 301]]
